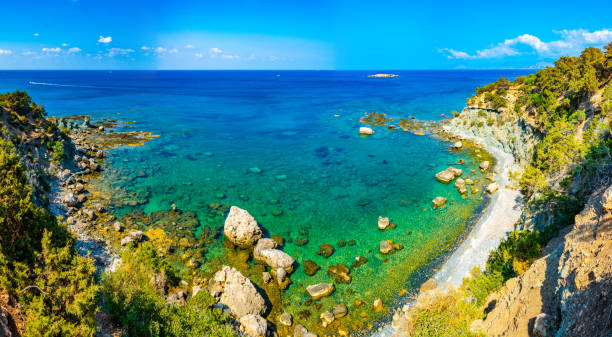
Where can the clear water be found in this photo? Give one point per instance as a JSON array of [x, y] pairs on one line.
[[215, 126]]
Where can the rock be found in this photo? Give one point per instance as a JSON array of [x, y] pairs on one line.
[[193, 263], [326, 318], [79, 188], [127, 240], [342, 331], [69, 200], [159, 282], [377, 305], [178, 298], [365, 131], [445, 176], [456, 171], [263, 244], [340, 310], [278, 239], [460, 186], [266, 277], [237, 293], [310, 267], [5, 326], [89, 213], [457, 145], [320, 290], [340, 273], [174, 208], [607, 199], [428, 285], [277, 259], [254, 325], [484, 165], [300, 331], [117, 226], [359, 260], [386, 247], [281, 177], [325, 250], [255, 170], [383, 223], [280, 276], [81, 198], [438, 202], [492, 188], [195, 290], [285, 319], [299, 241], [136, 235], [469, 182], [540, 326], [241, 228]]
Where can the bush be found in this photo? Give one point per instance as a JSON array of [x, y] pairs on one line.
[[514, 254]]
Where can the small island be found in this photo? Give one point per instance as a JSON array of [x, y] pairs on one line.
[[383, 75]]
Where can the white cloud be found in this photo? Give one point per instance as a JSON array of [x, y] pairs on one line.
[[52, 50], [28, 52], [173, 51], [571, 42], [189, 46], [160, 50], [75, 50], [103, 39], [36, 34], [145, 48], [65, 45], [5, 51], [230, 57], [119, 51], [215, 51], [198, 55]]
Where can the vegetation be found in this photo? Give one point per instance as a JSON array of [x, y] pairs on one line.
[[137, 303], [39, 267]]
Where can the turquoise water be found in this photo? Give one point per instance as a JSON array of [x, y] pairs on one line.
[[287, 149]]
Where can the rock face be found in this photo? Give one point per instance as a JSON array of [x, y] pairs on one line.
[[438, 202], [383, 223], [365, 131], [320, 290], [237, 293], [241, 228], [254, 325], [567, 291]]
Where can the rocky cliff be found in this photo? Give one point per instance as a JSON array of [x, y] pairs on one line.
[[567, 291]]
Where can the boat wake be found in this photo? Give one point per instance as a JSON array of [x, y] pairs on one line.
[[67, 85]]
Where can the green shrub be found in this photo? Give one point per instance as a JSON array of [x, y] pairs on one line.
[[58, 150], [514, 254]]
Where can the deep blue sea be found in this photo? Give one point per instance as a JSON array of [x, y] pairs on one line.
[[285, 146]]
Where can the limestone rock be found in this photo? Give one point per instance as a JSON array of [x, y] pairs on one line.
[[449, 174], [492, 188], [285, 319], [457, 145], [254, 325], [383, 223], [300, 331], [277, 259], [263, 244], [237, 293], [326, 318], [340, 310], [365, 131], [484, 165], [320, 290], [241, 228], [438, 202], [69, 199], [377, 305], [178, 298], [386, 247]]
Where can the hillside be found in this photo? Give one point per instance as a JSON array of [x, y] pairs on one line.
[[548, 277]]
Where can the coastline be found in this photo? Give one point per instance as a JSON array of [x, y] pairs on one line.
[[495, 222]]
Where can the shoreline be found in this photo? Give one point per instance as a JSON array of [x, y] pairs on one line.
[[495, 222]]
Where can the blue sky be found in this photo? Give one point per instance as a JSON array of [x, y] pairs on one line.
[[135, 34]]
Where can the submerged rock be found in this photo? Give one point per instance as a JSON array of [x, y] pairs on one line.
[[438, 202], [237, 293], [320, 290], [325, 250], [366, 131], [265, 251], [386, 247], [254, 325], [285, 319], [445, 176], [241, 228], [310, 267], [300, 331], [326, 318], [340, 273], [340, 310]]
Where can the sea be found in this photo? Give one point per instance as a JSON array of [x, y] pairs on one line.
[[285, 146]]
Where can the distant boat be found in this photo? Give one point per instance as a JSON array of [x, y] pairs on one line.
[[277, 75], [383, 75]]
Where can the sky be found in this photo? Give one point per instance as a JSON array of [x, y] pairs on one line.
[[314, 34]]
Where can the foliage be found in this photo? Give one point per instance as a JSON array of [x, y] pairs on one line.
[[514, 254], [136, 305], [480, 285], [21, 103], [58, 150], [39, 266]]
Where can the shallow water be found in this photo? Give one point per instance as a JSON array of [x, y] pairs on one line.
[[273, 145]]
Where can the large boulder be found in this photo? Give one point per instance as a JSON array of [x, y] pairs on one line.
[[241, 228], [254, 325], [365, 131], [263, 244], [492, 188], [449, 174], [383, 223], [277, 259], [237, 293], [438, 202]]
